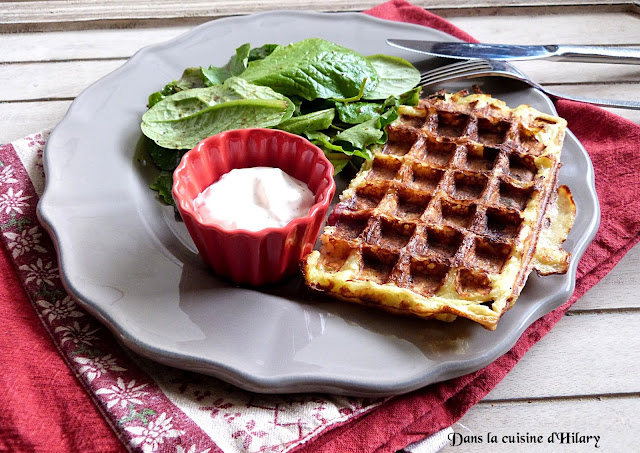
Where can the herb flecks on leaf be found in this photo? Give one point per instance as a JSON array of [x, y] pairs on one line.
[[182, 120]]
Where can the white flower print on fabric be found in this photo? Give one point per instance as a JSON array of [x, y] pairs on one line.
[[6, 175], [11, 201], [76, 334], [95, 367], [28, 240], [40, 272], [150, 437], [60, 309], [122, 393]]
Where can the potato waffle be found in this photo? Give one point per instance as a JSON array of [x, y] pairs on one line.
[[445, 219]]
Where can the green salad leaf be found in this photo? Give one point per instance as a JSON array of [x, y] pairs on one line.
[[258, 53], [238, 63], [337, 98], [182, 120], [214, 75], [313, 68], [163, 185], [396, 76], [164, 158], [198, 77], [358, 112], [367, 133], [314, 121]]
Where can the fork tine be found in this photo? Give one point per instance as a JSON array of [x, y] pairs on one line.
[[454, 70], [473, 68], [452, 66], [442, 70]]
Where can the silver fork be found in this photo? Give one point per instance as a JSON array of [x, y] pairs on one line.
[[469, 69]]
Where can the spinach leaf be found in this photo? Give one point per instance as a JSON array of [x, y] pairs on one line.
[[361, 135], [411, 97], [187, 131], [214, 75], [258, 53], [156, 97], [183, 119], [313, 68], [191, 78], [329, 146], [338, 156], [238, 63], [396, 76], [322, 140], [314, 121], [359, 138], [198, 77], [354, 142], [387, 118], [358, 112], [339, 161], [163, 185], [164, 158]]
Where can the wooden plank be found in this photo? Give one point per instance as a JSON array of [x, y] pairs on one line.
[[59, 80], [81, 44], [616, 29], [550, 26], [580, 356], [612, 292], [121, 44], [55, 12], [611, 418], [20, 119]]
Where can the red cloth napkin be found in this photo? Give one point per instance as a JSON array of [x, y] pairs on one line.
[[44, 408]]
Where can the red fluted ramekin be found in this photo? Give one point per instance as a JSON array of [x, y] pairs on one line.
[[271, 254]]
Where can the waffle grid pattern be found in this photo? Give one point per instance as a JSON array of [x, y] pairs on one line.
[[447, 212]]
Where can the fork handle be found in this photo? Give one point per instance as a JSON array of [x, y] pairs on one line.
[[594, 54]]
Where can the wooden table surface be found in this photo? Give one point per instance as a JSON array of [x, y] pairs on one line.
[[584, 376]]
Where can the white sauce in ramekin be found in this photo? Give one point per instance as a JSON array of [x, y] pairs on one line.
[[254, 199]]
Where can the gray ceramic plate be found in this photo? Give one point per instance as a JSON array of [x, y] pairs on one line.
[[133, 266]]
